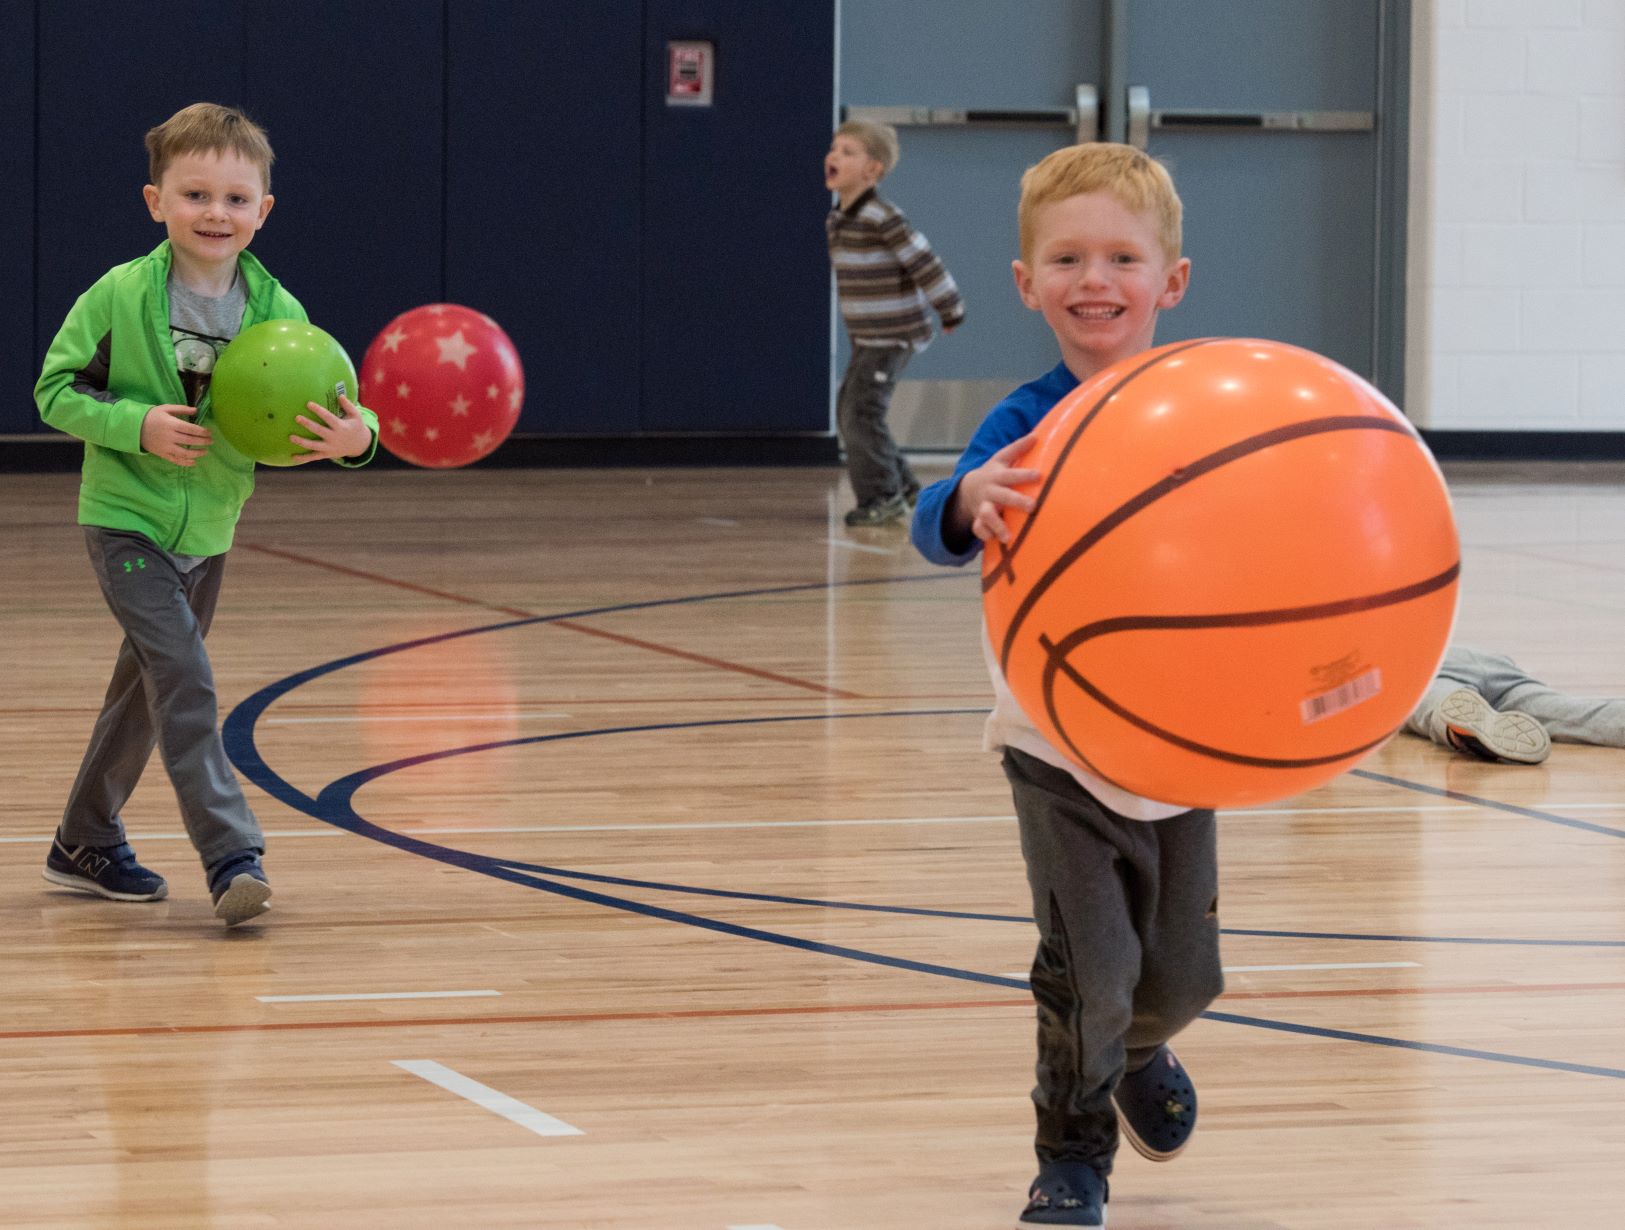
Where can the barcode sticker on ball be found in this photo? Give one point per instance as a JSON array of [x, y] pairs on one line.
[[1344, 696]]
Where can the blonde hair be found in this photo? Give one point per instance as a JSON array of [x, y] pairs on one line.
[[879, 141], [1138, 181], [208, 127]]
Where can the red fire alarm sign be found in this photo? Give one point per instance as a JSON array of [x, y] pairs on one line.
[[690, 66]]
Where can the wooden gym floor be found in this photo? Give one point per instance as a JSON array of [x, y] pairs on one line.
[[636, 866]]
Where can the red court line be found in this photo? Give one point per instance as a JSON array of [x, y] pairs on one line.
[[570, 625], [382, 580], [705, 661], [713, 1014]]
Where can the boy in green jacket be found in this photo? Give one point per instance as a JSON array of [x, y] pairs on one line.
[[128, 373]]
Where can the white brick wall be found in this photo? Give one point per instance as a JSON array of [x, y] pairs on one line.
[[1517, 232]]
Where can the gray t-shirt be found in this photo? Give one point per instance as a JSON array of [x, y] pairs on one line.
[[201, 327]]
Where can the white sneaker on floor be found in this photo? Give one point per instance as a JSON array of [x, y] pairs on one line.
[[1473, 727]]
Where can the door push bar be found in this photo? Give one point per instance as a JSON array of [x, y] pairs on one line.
[[1142, 120], [1083, 117]]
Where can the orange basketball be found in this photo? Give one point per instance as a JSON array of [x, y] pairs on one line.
[[1239, 578]]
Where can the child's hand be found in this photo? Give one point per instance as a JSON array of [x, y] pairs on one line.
[[988, 488], [335, 437], [165, 433]]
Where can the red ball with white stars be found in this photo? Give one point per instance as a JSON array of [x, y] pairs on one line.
[[446, 385]]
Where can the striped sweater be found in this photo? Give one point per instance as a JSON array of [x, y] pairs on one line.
[[885, 274]]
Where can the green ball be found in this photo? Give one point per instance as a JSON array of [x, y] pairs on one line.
[[265, 377]]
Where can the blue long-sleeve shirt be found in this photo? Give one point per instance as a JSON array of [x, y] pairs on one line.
[[1007, 725], [1006, 423]]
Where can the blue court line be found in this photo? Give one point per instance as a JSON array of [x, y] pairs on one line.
[[337, 808], [1511, 808], [768, 898], [1426, 939], [1432, 1048], [334, 806]]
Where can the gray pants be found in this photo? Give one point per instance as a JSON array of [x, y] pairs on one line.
[[873, 461], [162, 693], [1128, 950], [1499, 680]]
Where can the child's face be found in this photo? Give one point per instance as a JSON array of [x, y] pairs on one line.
[[848, 169], [211, 202], [1099, 275]]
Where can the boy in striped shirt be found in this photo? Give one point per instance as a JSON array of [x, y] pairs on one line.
[[889, 281]]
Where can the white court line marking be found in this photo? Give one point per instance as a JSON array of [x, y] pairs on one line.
[[588, 828], [1253, 969], [329, 999], [484, 1096], [450, 717], [725, 522], [860, 546], [676, 826]]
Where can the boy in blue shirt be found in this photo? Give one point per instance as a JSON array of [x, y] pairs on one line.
[[1125, 889], [129, 374]]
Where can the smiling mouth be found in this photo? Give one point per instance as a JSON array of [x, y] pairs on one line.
[[1096, 312], [214, 234]]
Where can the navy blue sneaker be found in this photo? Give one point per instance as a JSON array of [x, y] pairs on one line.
[[1156, 1107], [1065, 1194], [238, 885], [107, 871]]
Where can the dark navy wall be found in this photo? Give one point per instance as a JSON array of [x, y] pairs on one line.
[[659, 272], [90, 158], [355, 115], [544, 207], [734, 207], [17, 219]]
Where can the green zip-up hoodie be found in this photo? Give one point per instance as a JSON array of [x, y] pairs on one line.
[[111, 362]]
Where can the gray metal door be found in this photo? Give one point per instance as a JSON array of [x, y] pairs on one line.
[[1283, 122]]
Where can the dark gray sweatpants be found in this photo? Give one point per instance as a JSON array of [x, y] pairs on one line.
[[1128, 950], [161, 694], [874, 463]]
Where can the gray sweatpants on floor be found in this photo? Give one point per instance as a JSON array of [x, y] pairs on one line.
[[1128, 950], [1499, 680], [161, 694]]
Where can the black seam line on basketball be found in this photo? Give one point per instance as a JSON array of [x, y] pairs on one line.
[[1179, 478], [1255, 619], [1003, 569], [1056, 660], [1168, 736]]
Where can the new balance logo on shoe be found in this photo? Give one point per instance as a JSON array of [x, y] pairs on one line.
[[107, 871]]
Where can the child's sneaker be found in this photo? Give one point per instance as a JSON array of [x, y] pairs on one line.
[[1065, 1194], [239, 888], [882, 511], [1472, 726], [1156, 1107], [107, 871]]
